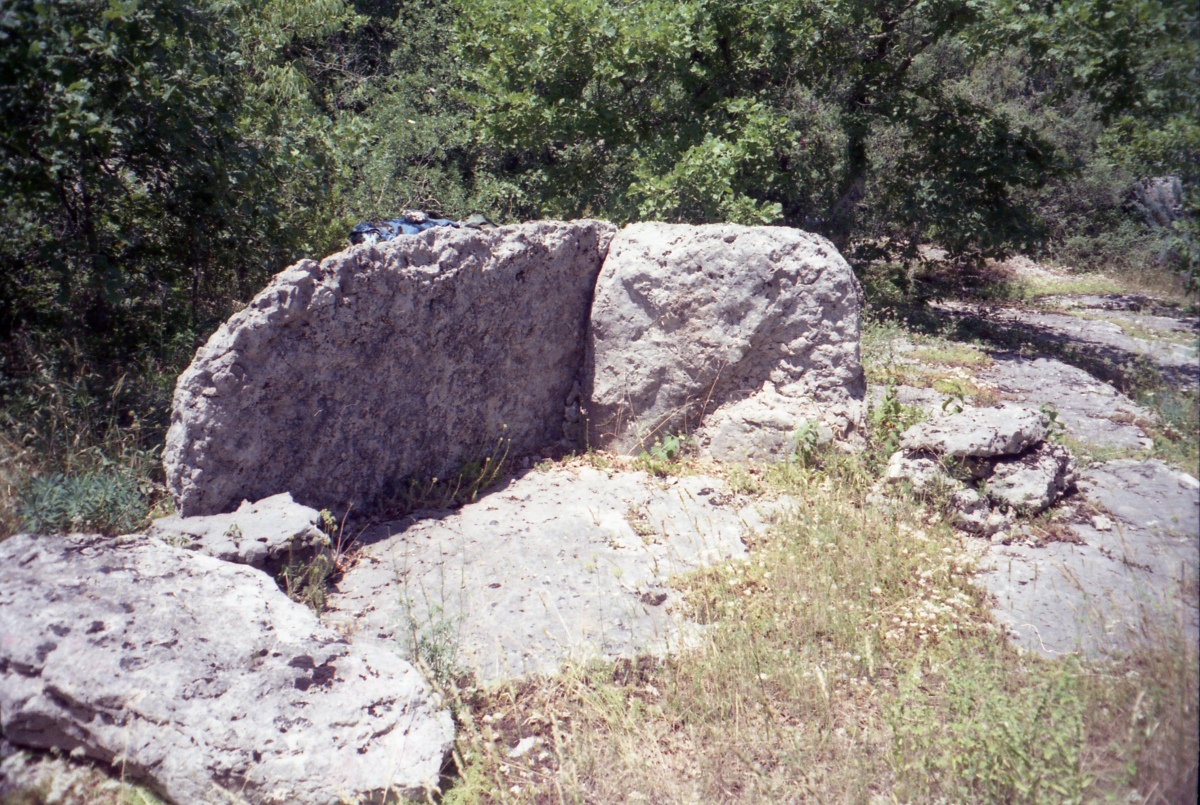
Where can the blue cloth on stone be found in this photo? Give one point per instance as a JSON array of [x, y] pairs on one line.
[[383, 231]]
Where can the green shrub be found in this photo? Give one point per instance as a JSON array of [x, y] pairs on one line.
[[664, 456], [107, 500], [433, 645], [889, 419]]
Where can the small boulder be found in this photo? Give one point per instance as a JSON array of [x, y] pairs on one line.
[[923, 470], [970, 512], [1032, 481], [204, 679], [264, 535], [978, 433]]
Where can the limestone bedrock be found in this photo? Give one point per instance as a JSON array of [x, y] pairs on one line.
[[208, 681], [342, 379], [1132, 581], [567, 565], [749, 332]]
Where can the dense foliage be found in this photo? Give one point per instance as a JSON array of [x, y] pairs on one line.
[[160, 158]]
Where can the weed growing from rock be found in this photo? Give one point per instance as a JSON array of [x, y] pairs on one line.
[[665, 456], [307, 581]]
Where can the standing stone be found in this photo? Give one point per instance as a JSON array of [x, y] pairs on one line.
[[746, 333], [342, 379], [202, 678]]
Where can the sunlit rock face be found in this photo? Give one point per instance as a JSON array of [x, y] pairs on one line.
[[741, 334], [343, 379], [204, 678]]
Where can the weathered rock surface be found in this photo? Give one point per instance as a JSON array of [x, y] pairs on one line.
[[342, 379], [567, 564], [1104, 346], [204, 677], [923, 471], [264, 535], [760, 325], [762, 427], [978, 433], [1030, 482], [1091, 410], [971, 512], [1134, 579]]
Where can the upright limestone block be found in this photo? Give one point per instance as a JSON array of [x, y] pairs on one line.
[[343, 379], [742, 336]]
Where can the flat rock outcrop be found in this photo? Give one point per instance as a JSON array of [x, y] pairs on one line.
[[343, 379], [204, 678], [1108, 349], [265, 535], [1126, 576], [569, 564], [1092, 411], [744, 332]]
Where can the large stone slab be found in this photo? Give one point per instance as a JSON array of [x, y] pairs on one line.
[[752, 330], [203, 678], [341, 379], [569, 564]]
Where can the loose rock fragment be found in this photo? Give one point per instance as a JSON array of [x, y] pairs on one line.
[[971, 512], [978, 432], [1032, 481], [922, 470], [264, 535]]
